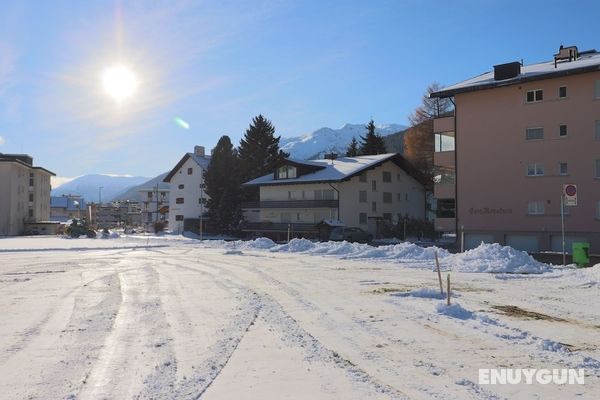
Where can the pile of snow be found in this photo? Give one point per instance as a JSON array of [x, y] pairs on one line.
[[425, 293], [495, 258], [454, 310]]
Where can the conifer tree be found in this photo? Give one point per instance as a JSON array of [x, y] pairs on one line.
[[352, 150], [222, 180], [372, 143], [258, 153]]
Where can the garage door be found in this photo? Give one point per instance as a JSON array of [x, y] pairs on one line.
[[473, 240], [556, 242], [528, 243]]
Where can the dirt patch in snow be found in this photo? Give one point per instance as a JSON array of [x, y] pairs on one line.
[[518, 312]]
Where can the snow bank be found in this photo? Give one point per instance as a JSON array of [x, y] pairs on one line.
[[425, 293], [495, 258], [454, 310]]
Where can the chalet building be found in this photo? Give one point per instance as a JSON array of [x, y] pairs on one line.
[[25, 194], [365, 192], [187, 198], [518, 135]]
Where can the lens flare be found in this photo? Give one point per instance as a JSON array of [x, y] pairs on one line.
[[181, 123]]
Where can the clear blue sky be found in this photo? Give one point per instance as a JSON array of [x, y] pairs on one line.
[[216, 64]]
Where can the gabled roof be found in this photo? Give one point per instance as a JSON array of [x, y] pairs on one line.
[[338, 170], [201, 161], [588, 61]]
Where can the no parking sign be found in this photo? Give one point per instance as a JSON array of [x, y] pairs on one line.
[[570, 194]]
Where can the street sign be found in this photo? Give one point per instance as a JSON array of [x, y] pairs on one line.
[[570, 194]]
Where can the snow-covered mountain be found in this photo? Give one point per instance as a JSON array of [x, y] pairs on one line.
[[326, 140], [133, 193], [88, 186]]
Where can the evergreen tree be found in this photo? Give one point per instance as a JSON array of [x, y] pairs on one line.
[[258, 153], [222, 180], [352, 148], [372, 143]]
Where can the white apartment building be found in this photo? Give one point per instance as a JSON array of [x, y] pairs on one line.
[[25, 193], [365, 192], [155, 205], [187, 198]]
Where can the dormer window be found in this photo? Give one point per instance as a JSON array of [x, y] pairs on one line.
[[286, 172]]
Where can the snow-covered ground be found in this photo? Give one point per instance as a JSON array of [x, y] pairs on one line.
[[170, 317]]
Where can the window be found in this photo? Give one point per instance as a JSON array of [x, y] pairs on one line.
[[535, 95], [597, 168], [398, 196], [374, 206], [30, 196], [387, 197], [562, 92], [387, 217], [598, 210], [190, 170], [562, 130], [374, 185], [31, 179], [179, 218], [446, 208], [181, 186], [362, 218], [597, 90], [286, 172], [328, 194], [535, 208], [597, 132], [30, 213], [535, 169], [362, 177], [286, 217], [563, 168], [534, 133], [444, 142], [399, 177], [387, 176], [179, 200], [149, 195], [362, 196], [295, 195]]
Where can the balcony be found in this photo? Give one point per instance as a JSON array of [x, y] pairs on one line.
[[291, 204], [279, 227], [445, 224], [443, 159], [445, 124], [444, 191]]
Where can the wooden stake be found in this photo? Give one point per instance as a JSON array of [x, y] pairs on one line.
[[448, 298], [437, 263]]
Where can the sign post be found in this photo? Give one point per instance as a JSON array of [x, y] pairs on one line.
[[568, 198]]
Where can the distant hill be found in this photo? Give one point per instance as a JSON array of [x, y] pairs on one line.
[[133, 194], [88, 186], [326, 140]]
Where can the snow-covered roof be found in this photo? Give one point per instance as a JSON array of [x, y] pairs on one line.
[[340, 169], [588, 61], [202, 161]]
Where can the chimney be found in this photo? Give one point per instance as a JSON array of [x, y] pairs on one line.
[[199, 151]]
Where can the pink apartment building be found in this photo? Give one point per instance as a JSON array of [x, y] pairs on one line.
[[517, 136]]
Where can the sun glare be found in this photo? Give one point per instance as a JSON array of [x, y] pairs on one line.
[[119, 82]]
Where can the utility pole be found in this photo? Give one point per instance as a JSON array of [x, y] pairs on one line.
[[562, 224], [201, 201], [100, 195]]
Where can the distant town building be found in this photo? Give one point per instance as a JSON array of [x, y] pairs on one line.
[[187, 198], [66, 207], [520, 133], [365, 192], [24, 194], [115, 214], [154, 206]]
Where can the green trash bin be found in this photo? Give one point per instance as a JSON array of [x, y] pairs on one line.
[[581, 253]]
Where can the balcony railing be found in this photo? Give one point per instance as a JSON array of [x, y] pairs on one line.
[[291, 204], [278, 227]]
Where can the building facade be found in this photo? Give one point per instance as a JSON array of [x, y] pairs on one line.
[[187, 198], [66, 207], [365, 192], [518, 136], [154, 205], [25, 194]]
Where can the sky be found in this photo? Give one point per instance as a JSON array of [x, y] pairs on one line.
[[217, 64]]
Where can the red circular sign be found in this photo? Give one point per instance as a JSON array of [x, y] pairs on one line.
[[570, 190]]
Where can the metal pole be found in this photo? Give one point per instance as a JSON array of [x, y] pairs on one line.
[[462, 238], [201, 202], [562, 223], [100, 194]]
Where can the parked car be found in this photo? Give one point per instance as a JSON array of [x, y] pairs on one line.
[[350, 234]]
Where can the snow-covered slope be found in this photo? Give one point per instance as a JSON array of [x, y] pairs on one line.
[[133, 193], [326, 140], [88, 186]]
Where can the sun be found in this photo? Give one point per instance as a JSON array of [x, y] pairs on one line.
[[119, 82]]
